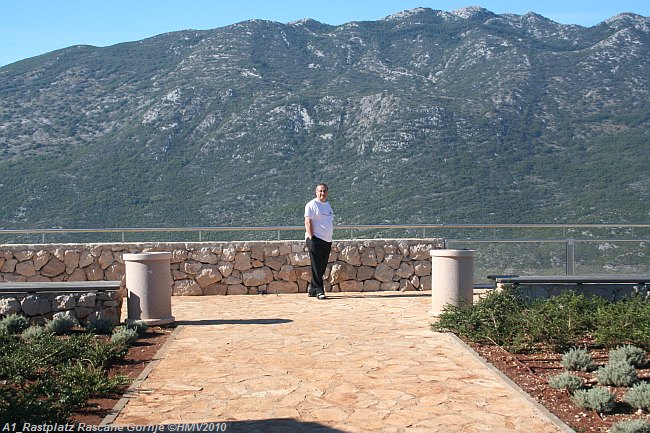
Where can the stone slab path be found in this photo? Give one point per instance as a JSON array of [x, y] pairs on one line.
[[356, 362]]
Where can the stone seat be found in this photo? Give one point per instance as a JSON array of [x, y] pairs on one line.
[[59, 286], [571, 279]]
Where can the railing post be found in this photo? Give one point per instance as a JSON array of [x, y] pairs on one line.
[[200, 236], [279, 238], [570, 256], [122, 237]]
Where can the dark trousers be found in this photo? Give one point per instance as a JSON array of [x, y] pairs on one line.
[[319, 253]]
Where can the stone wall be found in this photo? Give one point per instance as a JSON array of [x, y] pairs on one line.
[[83, 307], [215, 268]]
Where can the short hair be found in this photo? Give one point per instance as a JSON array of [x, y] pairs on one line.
[[327, 188]]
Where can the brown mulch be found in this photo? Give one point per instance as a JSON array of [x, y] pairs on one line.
[[131, 366], [531, 372]]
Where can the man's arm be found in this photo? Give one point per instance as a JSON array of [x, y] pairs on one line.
[[309, 227]]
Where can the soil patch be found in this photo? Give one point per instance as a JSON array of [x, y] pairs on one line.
[[531, 373]]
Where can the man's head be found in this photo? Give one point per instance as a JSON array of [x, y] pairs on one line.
[[322, 191]]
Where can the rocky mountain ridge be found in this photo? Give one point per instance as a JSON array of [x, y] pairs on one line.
[[422, 117]]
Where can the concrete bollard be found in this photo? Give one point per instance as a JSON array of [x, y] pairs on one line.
[[149, 285], [452, 278]]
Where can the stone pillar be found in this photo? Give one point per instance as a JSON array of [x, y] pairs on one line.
[[452, 278], [149, 285]]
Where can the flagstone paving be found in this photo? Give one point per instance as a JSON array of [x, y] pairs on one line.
[[355, 362]]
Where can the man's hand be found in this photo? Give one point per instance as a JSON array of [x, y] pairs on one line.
[[308, 227]]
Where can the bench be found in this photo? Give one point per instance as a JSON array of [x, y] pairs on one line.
[[58, 286], [615, 286], [571, 279]]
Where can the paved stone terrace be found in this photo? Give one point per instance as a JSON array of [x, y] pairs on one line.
[[356, 362]]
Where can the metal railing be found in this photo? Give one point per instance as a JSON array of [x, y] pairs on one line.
[[568, 247], [200, 231]]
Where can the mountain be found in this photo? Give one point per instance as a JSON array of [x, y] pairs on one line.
[[424, 116]]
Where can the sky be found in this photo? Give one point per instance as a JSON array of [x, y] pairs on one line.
[[32, 27]]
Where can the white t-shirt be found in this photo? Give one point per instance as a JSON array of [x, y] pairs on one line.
[[322, 218]]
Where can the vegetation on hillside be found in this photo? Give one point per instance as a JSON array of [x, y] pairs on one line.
[[423, 117]]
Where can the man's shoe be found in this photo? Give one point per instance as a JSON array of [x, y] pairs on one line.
[[320, 296]]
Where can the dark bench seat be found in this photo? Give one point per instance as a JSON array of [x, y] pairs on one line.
[[63, 286], [571, 279]]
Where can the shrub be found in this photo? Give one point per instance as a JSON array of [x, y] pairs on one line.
[[48, 378], [578, 359], [566, 380], [14, 324], [520, 324], [624, 322], [496, 318], [139, 326], [618, 373], [78, 381], [60, 324], [598, 399], [125, 336], [639, 396], [100, 326], [54, 396], [631, 354], [561, 321], [34, 332], [631, 426]]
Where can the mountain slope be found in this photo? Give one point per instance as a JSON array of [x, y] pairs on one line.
[[422, 117]]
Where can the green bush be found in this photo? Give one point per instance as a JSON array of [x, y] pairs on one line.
[[100, 326], [494, 319], [103, 354], [566, 380], [14, 324], [520, 324], [624, 322], [618, 373], [55, 395], [631, 354], [48, 378], [125, 336], [34, 332], [639, 396], [598, 399], [23, 362], [631, 426], [76, 382], [60, 325], [578, 359], [90, 348], [139, 326], [559, 322]]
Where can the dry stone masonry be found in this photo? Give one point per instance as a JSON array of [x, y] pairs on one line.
[[228, 268], [83, 307]]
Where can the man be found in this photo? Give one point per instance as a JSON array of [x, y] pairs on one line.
[[319, 226]]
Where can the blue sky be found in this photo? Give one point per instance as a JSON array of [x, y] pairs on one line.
[[32, 27]]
